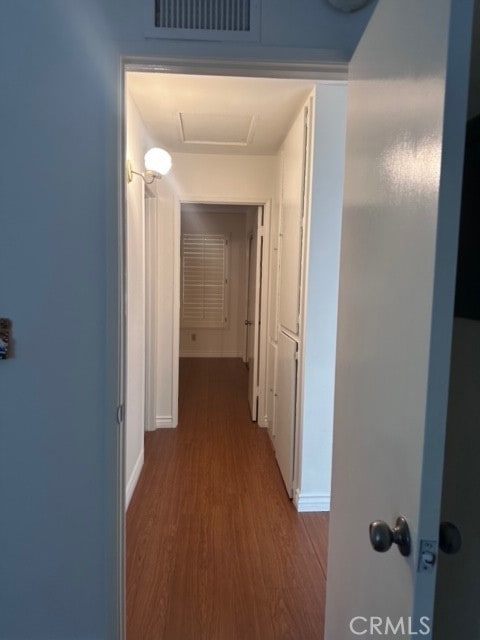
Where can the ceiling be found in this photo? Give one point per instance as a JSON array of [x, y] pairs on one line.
[[217, 114]]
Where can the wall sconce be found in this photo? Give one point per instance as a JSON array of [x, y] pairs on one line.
[[158, 163]]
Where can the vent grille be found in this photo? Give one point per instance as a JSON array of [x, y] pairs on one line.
[[211, 15]]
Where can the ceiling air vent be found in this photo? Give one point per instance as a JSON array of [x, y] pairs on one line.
[[203, 19]]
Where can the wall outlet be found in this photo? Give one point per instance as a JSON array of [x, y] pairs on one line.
[[194, 337]]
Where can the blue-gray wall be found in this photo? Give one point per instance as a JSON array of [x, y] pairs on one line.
[[59, 91]]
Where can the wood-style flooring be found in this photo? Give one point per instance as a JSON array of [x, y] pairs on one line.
[[215, 549]]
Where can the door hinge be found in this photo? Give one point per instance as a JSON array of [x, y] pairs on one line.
[[120, 414]]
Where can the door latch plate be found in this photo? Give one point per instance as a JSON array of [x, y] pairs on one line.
[[427, 556]]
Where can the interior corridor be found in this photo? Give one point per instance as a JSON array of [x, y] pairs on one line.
[[215, 549]]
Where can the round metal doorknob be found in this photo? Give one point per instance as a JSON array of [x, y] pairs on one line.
[[450, 539], [248, 322], [382, 537]]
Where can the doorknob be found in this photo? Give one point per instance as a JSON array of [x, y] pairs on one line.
[[450, 539], [382, 537], [248, 322]]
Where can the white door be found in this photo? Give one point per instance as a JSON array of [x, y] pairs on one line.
[[255, 251], [285, 405], [271, 386], [406, 125], [292, 210]]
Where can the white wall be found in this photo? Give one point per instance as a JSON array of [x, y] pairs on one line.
[[322, 281], [230, 340], [137, 144], [222, 178], [318, 326]]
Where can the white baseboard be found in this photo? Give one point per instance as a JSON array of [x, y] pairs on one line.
[[263, 422], [164, 422], [210, 354], [132, 483], [271, 437], [308, 502]]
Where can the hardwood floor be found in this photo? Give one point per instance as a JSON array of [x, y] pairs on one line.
[[215, 549]]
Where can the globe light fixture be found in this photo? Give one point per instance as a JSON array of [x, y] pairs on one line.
[[158, 163]]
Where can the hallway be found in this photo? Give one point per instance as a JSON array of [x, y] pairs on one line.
[[215, 549]]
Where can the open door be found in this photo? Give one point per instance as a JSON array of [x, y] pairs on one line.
[[286, 391], [405, 137], [252, 322]]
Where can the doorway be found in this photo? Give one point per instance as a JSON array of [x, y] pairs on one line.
[[260, 182], [227, 175]]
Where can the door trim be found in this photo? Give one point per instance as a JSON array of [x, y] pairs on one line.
[[249, 239], [303, 293]]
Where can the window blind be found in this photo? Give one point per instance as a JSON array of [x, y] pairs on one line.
[[204, 280]]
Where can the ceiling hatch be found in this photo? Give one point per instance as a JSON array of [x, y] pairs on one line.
[[203, 19], [218, 129]]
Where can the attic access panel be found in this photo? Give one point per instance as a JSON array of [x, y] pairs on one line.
[[221, 20], [227, 129]]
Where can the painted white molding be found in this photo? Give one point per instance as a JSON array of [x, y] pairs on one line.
[[211, 354], [272, 438], [165, 422], [176, 311], [310, 502], [263, 347], [263, 422], [132, 483], [151, 269]]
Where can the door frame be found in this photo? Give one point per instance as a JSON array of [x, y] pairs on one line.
[[259, 333], [249, 240], [153, 306], [331, 72]]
